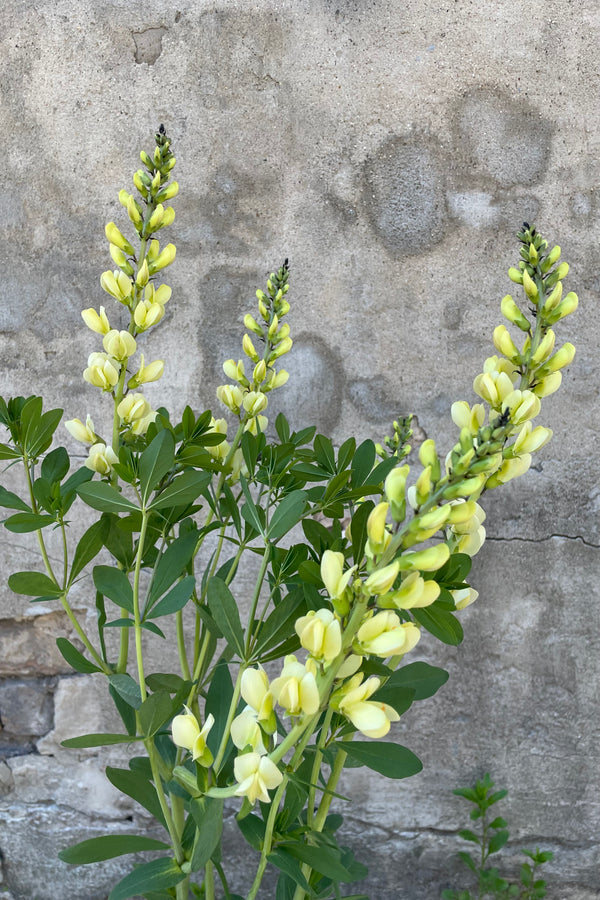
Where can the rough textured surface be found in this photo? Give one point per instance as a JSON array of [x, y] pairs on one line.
[[390, 150]]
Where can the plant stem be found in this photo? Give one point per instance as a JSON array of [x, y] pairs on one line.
[[185, 669], [136, 605], [259, 581], [266, 849], [317, 767], [209, 881]]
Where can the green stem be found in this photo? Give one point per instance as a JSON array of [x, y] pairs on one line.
[[162, 799], [317, 767], [136, 605], [209, 881], [221, 874], [259, 582], [266, 849], [183, 661]]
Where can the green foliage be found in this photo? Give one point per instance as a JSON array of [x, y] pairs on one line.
[[490, 839], [351, 566]]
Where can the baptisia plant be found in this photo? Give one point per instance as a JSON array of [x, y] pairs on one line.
[[277, 686]]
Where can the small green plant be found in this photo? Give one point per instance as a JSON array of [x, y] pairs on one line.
[[492, 838]]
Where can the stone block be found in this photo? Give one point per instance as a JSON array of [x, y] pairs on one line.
[[26, 706]]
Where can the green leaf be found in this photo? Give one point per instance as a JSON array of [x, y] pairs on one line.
[[154, 712], [498, 841], [440, 623], [175, 600], [156, 460], [172, 564], [55, 465], [385, 757], [250, 511], [224, 611], [322, 859], [286, 515], [102, 496], [33, 584], [324, 453], [183, 490], [127, 689], [207, 813], [253, 830], [108, 847], [151, 876], [89, 546], [7, 452], [114, 584], [362, 463], [40, 431], [454, 572], [98, 740], [75, 659], [399, 698], [467, 835], [138, 787], [280, 623], [358, 529], [24, 522], [285, 862], [126, 711], [218, 700], [10, 501], [424, 679]]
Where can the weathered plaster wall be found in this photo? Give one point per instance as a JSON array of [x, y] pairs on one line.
[[390, 150]]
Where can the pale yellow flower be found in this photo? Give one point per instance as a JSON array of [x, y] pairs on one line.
[[256, 776], [101, 458], [188, 735]]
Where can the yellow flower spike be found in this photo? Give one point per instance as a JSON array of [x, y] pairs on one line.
[[252, 325], [504, 343], [545, 348], [255, 402], [249, 348], [101, 459], [529, 286], [429, 560], [381, 580], [133, 408], [95, 322], [143, 274], [114, 236], [119, 344], [164, 259], [101, 371], [413, 593], [376, 529], [511, 311], [281, 349], [256, 776], [296, 688], [370, 717], [548, 385], [85, 434], [320, 633]]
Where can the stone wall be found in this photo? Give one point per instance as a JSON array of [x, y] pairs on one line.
[[390, 150]]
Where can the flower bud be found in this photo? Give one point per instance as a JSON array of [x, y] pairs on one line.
[[114, 236], [164, 259], [376, 529], [529, 286], [413, 593], [545, 348], [254, 402], [511, 311], [101, 459], [531, 439], [381, 580], [132, 408], [320, 633], [252, 325], [429, 457], [548, 385], [120, 259], [515, 275], [429, 560], [147, 314], [260, 372], [143, 274], [147, 373], [504, 343], [97, 323], [282, 348], [550, 259], [565, 308], [249, 349], [168, 192], [119, 344], [395, 491], [464, 597], [101, 371], [553, 299], [563, 357], [83, 433]]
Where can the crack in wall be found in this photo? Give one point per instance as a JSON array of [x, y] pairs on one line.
[[528, 540]]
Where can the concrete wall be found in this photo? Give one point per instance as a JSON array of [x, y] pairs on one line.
[[390, 150]]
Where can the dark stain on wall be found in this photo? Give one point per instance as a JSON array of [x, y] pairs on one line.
[[403, 191]]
